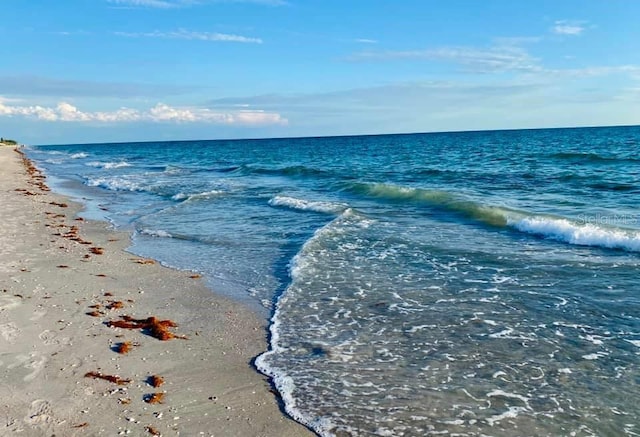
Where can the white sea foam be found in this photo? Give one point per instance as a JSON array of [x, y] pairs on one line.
[[300, 265], [581, 235], [308, 205], [504, 394], [203, 195], [595, 355], [511, 413], [79, 155], [156, 233], [115, 184], [108, 165]]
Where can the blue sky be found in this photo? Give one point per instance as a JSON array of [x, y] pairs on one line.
[[128, 70]]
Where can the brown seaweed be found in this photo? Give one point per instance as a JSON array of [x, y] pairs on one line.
[[154, 398], [96, 250], [123, 348], [143, 261], [151, 430], [153, 326], [115, 305], [155, 381], [111, 378]]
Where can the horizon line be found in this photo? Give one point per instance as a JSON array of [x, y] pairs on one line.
[[344, 135]]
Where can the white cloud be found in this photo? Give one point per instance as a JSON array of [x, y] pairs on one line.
[[630, 70], [66, 112], [492, 59], [163, 4], [564, 27], [190, 35], [366, 41]]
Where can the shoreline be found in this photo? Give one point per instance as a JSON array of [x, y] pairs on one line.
[[66, 282]]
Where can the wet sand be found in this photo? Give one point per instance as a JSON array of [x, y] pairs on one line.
[[62, 280]]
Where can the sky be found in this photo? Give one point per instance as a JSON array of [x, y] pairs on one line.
[[90, 71]]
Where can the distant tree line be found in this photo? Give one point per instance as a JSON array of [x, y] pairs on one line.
[[8, 142]]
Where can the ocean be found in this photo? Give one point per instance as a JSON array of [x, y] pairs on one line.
[[467, 284]]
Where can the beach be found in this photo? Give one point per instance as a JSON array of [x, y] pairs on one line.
[[85, 325]]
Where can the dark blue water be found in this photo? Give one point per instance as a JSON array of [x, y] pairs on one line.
[[481, 283]]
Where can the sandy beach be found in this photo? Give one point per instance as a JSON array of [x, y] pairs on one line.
[[84, 326]]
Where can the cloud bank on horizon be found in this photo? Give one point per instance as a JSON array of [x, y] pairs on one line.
[[161, 112], [252, 68]]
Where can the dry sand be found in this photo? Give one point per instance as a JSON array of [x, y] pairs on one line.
[[54, 270]]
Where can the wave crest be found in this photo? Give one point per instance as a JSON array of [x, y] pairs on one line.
[[308, 205], [567, 231], [488, 214], [547, 226], [197, 196], [115, 184], [156, 233], [108, 165]]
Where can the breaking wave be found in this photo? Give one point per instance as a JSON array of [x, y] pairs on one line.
[[566, 230], [308, 205], [108, 165], [198, 196]]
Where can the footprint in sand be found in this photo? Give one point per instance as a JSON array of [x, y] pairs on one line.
[[9, 331], [34, 361], [50, 338], [9, 302], [40, 413]]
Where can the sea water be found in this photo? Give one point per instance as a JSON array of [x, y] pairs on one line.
[[468, 284]]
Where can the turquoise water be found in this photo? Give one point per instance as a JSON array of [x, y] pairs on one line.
[[481, 283]]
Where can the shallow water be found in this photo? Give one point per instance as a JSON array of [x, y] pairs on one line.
[[431, 284]]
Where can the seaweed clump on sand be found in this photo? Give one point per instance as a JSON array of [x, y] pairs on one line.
[[154, 398], [151, 325], [111, 378], [155, 381], [151, 430], [115, 305], [123, 348]]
